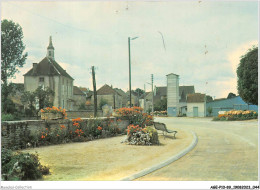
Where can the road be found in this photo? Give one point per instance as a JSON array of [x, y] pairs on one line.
[[226, 151]]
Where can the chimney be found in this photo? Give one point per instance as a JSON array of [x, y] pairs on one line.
[[34, 67]]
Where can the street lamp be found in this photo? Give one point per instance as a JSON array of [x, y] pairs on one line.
[[130, 68]]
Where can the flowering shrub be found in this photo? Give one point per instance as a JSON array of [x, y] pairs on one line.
[[236, 115], [135, 116], [55, 110], [160, 113], [76, 130], [137, 135], [21, 166]]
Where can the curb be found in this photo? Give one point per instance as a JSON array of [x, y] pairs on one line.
[[165, 163]]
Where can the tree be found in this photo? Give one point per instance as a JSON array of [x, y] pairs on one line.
[[231, 95], [44, 97], [102, 103], [41, 96], [209, 110], [30, 99], [247, 73], [160, 105], [12, 56], [139, 91]]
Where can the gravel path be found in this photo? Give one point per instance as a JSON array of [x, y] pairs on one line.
[[107, 159]]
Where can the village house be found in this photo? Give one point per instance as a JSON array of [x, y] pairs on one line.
[[48, 73], [79, 98], [124, 96], [196, 105], [108, 95], [134, 99], [160, 93]]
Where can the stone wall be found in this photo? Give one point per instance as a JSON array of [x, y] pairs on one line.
[[82, 114], [16, 134]]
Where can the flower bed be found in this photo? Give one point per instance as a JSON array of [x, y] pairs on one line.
[[78, 131], [137, 135], [236, 115], [53, 113], [135, 116], [160, 113]]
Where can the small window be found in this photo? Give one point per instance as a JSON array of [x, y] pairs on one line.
[[49, 53], [41, 79]]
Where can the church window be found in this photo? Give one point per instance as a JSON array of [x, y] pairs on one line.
[[49, 53], [41, 79]]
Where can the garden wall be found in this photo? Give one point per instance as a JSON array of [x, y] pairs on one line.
[[17, 134], [83, 114]]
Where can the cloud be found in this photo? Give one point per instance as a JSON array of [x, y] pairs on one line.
[[96, 33]]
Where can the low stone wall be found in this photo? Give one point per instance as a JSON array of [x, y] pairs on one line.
[[82, 114], [16, 134]]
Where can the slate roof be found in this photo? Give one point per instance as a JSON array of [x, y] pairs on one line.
[[197, 97], [106, 90], [77, 91], [83, 89], [144, 95], [120, 91], [161, 90], [48, 67], [184, 91]]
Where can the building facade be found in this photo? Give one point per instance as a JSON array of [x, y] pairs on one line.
[[172, 94], [235, 103], [48, 73], [108, 95], [79, 98], [196, 105]]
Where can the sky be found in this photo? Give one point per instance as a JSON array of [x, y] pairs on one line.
[[200, 41]]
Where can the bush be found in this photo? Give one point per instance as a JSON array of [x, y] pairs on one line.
[[21, 166], [7, 117], [153, 135], [135, 116], [141, 136], [236, 115]]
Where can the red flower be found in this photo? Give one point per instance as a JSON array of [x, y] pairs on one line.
[[99, 128]]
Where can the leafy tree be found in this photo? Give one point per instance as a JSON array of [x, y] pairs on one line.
[[30, 99], [231, 95], [160, 105], [209, 110], [44, 97], [12, 56], [139, 91], [247, 73], [102, 103]]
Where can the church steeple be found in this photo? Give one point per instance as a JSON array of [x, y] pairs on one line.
[[50, 50]]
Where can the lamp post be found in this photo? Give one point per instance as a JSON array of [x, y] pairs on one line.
[[129, 53]]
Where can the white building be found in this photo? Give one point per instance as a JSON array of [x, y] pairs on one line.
[[173, 94], [196, 105], [48, 73]]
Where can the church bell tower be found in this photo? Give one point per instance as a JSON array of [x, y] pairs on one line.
[[50, 50]]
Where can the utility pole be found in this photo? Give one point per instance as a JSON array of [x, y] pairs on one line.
[[152, 92], [95, 91], [129, 72]]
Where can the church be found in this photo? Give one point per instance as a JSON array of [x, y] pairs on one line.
[[48, 73]]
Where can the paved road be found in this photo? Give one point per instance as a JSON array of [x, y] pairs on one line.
[[226, 151]]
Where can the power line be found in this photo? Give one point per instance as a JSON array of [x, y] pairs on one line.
[[47, 18]]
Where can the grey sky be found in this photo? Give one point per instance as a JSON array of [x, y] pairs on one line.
[[203, 40]]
